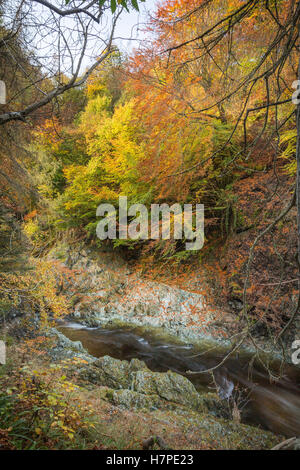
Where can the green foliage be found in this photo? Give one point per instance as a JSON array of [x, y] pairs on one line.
[[114, 3], [227, 204], [41, 409], [104, 154], [13, 249], [288, 143], [114, 153], [123, 3]]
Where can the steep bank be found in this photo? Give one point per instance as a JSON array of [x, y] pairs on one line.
[[103, 288], [104, 291], [165, 404]]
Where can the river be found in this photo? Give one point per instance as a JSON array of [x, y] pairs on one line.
[[272, 404]]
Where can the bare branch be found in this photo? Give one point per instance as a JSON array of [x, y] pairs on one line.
[[71, 11]]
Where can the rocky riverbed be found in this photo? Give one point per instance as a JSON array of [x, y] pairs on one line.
[[104, 290], [106, 294], [165, 401]]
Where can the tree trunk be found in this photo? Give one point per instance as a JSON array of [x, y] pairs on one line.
[[298, 171]]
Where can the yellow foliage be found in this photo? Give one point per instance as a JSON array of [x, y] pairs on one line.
[[35, 290]]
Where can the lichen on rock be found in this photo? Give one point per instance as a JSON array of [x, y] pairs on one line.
[[168, 386]]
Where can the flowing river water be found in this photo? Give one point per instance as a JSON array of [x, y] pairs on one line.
[[271, 404]]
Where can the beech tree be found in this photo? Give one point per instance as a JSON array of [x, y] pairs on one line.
[[234, 62]]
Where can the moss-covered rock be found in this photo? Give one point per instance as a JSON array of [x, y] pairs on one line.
[[148, 388], [136, 364], [109, 372], [65, 348], [131, 399], [135, 376], [112, 372], [215, 405], [169, 386], [208, 432], [205, 430]]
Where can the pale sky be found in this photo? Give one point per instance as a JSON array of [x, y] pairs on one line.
[[50, 46], [128, 25]]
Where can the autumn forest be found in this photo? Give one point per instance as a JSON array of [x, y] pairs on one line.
[[197, 103]]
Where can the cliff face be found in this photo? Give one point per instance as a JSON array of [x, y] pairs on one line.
[[103, 288]]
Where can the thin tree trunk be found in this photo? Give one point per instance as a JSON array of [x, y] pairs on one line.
[[295, 316], [298, 170]]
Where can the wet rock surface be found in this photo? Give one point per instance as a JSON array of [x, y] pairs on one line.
[[136, 377], [103, 290], [169, 398], [66, 349]]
